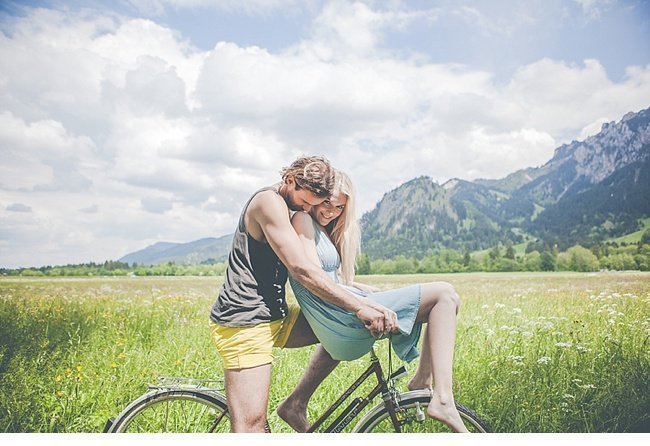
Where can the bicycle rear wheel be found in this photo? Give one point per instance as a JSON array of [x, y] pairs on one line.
[[413, 417], [182, 411]]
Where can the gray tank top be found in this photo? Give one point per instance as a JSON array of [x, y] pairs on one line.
[[254, 284]]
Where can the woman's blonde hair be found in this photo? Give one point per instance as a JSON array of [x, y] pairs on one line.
[[344, 230]]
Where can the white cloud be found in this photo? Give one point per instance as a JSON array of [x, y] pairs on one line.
[[41, 155], [593, 9], [563, 98], [345, 29]]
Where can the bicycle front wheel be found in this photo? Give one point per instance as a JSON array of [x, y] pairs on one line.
[[182, 411], [413, 419]]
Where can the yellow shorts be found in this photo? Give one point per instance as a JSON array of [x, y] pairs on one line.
[[246, 347]]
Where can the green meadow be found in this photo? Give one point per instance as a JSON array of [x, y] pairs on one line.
[[535, 352]]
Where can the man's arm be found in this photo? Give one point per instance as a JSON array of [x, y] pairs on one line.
[[271, 214], [302, 223]]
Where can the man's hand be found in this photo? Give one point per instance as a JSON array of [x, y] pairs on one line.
[[377, 318]]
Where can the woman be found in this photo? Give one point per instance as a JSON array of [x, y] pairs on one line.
[[331, 238]]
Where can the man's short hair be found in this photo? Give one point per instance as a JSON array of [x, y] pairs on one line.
[[313, 173]]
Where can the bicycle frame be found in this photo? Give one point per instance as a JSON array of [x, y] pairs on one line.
[[358, 404], [354, 408]]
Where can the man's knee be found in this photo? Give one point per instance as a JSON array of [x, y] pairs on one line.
[[247, 391], [248, 421]]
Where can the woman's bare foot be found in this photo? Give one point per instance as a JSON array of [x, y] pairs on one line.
[[418, 383], [294, 414], [444, 410]]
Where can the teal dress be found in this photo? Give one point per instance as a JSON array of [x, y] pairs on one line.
[[339, 331]]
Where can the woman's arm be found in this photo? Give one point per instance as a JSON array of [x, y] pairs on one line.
[[302, 223]]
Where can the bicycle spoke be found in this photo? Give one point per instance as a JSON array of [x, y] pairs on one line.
[[413, 419], [178, 414]]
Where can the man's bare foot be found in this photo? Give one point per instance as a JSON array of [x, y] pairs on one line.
[[417, 383], [444, 410], [294, 415]]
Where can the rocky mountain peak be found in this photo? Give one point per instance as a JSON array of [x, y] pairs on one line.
[[615, 146]]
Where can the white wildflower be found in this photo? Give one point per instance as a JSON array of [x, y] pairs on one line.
[[544, 360], [563, 344]]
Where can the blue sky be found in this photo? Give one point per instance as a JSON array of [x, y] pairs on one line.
[[129, 122]]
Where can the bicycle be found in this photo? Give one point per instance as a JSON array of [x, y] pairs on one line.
[[191, 405]]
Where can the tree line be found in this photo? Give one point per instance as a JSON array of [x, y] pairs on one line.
[[115, 268], [537, 256], [500, 258]]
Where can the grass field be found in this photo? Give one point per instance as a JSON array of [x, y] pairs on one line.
[[536, 352]]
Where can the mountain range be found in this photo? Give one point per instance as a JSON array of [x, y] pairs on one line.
[[205, 250], [587, 192]]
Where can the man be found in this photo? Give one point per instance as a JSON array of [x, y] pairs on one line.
[[251, 316]]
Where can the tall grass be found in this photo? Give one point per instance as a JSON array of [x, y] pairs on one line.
[[559, 352]]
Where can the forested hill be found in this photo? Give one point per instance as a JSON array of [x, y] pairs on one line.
[[587, 192]]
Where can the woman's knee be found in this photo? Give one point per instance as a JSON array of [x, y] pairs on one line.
[[445, 292]]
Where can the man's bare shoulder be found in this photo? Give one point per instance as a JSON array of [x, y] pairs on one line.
[[267, 200], [267, 206]]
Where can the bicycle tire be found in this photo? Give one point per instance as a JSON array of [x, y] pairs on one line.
[[180, 411], [378, 419]]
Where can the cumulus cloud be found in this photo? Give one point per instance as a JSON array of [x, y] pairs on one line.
[[119, 133]]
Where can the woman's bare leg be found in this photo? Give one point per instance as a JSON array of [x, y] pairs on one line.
[[423, 378], [438, 308], [293, 410]]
